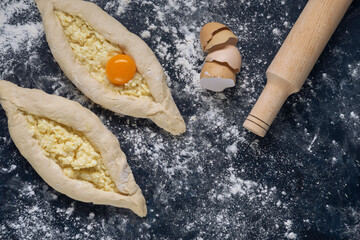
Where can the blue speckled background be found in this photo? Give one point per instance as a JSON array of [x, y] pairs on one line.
[[216, 181]]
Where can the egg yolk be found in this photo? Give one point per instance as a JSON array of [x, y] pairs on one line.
[[120, 69]]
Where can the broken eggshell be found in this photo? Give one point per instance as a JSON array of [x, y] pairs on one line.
[[220, 40], [216, 77], [208, 31], [229, 55]]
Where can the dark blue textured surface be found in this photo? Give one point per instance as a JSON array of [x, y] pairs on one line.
[[217, 181]]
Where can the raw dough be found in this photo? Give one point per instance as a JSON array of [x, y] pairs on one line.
[[29, 113], [160, 108]]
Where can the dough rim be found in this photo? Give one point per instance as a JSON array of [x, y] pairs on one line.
[[162, 112], [72, 114]]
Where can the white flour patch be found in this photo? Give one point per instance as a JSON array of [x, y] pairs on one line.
[[312, 143], [8, 170], [28, 190], [17, 37], [153, 27], [91, 215], [276, 32], [236, 186], [20, 37], [289, 234], [162, 50], [122, 6], [232, 149], [34, 209], [69, 211], [3, 18], [354, 116], [145, 34], [9, 9], [354, 70]]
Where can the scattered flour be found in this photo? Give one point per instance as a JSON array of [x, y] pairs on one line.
[[276, 32], [354, 70], [232, 149], [8, 170], [70, 210], [17, 37], [214, 196], [289, 234], [354, 116], [145, 34], [20, 37], [120, 5], [312, 143]]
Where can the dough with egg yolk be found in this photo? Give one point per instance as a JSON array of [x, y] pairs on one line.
[[160, 107]]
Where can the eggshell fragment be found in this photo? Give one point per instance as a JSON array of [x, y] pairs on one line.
[[228, 55], [208, 30], [216, 77], [220, 40]]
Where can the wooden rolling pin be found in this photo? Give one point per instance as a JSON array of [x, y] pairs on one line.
[[295, 59]]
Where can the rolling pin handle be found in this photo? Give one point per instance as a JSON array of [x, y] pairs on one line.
[[274, 95], [295, 59]]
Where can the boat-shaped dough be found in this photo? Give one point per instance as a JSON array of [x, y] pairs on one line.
[[70, 148], [82, 38]]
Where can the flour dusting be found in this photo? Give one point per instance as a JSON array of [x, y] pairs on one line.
[[15, 37], [216, 181]]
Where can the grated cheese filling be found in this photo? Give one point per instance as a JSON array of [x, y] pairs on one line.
[[93, 51], [71, 151]]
